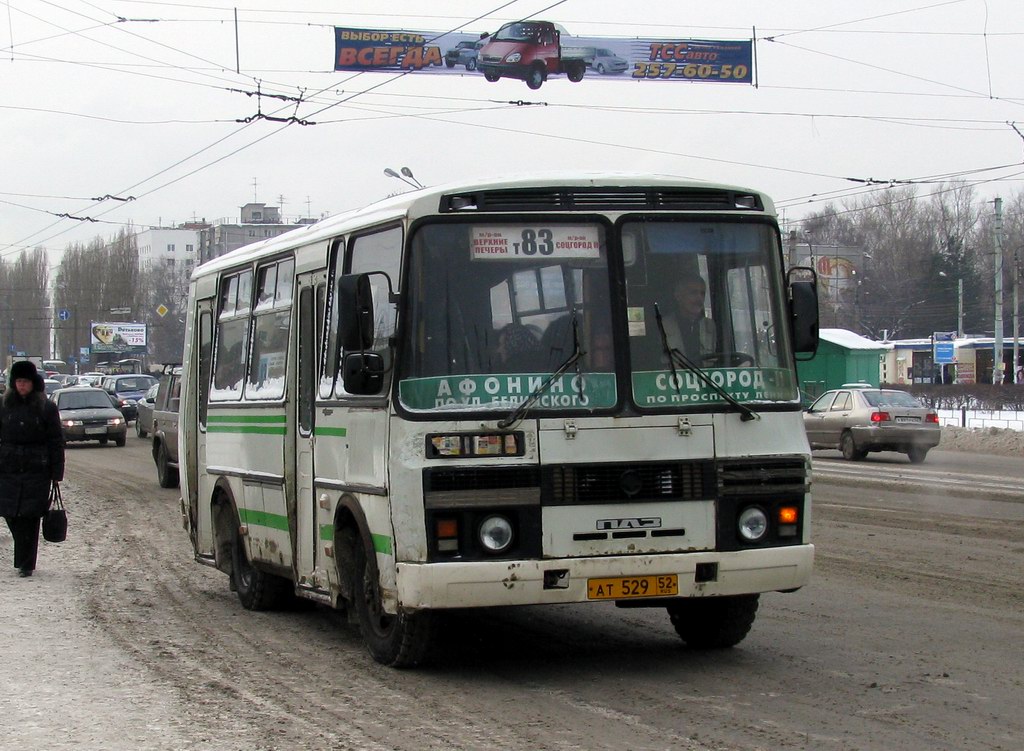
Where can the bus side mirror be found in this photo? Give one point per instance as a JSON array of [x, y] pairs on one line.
[[803, 295], [363, 373], [355, 312]]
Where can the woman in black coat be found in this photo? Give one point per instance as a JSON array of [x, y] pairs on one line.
[[31, 459]]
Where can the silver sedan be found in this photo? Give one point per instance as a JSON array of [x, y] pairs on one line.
[[859, 420]]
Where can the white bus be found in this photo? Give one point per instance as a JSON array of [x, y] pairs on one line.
[[470, 396]]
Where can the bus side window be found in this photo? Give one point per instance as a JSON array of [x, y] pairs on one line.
[[381, 252], [271, 320], [232, 342]]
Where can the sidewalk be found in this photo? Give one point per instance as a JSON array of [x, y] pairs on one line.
[[65, 684]]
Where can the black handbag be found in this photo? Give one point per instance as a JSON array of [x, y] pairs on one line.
[[55, 523]]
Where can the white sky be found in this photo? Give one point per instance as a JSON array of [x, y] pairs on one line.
[[874, 89]]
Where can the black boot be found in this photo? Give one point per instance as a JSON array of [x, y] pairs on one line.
[[24, 572]]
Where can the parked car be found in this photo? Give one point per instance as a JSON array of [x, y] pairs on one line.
[[144, 412], [604, 61], [858, 420], [86, 414], [165, 427], [127, 390], [464, 53]]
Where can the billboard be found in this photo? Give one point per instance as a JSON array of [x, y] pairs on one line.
[[120, 338], [519, 49]]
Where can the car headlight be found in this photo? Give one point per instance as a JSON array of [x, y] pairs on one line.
[[515, 57], [70, 423], [752, 524], [115, 421], [496, 534]]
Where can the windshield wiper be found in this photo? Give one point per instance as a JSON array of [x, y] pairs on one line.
[[674, 356], [520, 410]]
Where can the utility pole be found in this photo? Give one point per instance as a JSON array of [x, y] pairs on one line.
[[997, 346], [960, 308], [1016, 317]]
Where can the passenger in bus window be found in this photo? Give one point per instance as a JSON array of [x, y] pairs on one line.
[[686, 327], [517, 350]]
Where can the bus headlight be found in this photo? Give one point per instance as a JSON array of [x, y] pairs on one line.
[[496, 534], [752, 524]]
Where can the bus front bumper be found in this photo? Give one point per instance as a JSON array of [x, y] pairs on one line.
[[499, 583]]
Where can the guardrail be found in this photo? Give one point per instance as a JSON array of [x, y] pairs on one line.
[[981, 418]]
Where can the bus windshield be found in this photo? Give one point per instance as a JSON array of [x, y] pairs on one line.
[[496, 308], [708, 292]]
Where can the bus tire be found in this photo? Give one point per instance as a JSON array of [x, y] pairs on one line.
[[398, 641], [713, 622], [257, 590], [166, 475]]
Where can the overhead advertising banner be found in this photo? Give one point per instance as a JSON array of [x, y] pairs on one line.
[[122, 338], [534, 51]]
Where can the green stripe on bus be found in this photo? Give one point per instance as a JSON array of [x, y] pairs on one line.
[[263, 519], [340, 432], [264, 429], [246, 418], [381, 544]]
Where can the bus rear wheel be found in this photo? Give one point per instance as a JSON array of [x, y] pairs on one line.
[[399, 640], [713, 622]]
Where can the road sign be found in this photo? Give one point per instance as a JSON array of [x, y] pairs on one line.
[[943, 351], [120, 311], [162, 310], [64, 314]]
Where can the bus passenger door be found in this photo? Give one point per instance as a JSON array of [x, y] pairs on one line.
[[197, 483], [307, 532]]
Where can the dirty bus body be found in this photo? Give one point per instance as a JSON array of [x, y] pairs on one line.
[[469, 396]]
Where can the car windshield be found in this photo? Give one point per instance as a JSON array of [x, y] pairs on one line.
[[518, 32], [891, 399], [83, 400]]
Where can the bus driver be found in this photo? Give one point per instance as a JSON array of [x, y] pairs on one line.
[[686, 327]]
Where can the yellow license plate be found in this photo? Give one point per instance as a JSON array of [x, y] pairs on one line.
[[625, 587]]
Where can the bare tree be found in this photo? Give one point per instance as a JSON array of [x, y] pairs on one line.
[[26, 305]]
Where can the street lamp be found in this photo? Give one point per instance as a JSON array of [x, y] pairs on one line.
[[406, 176], [959, 304]]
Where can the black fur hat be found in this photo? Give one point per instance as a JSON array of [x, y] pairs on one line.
[[23, 369]]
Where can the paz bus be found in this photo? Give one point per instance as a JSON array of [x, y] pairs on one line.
[[466, 396]]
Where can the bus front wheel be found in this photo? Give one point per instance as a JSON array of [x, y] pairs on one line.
[[713, 622], [399, 640], [257, 590]]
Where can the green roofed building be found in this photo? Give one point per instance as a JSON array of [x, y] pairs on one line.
[[843, 357]]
